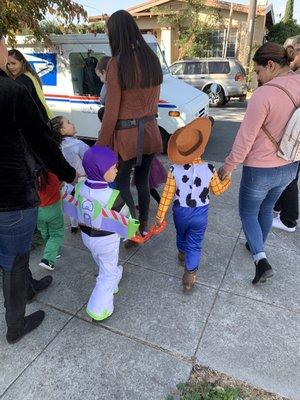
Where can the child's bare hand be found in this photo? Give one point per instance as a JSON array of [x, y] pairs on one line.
[[75, 180], [158, 222]]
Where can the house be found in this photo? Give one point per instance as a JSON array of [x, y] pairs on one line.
[[148, 15]]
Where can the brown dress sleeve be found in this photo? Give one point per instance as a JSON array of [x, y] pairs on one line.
[[112, 105]]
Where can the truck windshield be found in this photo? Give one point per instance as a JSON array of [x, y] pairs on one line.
[[164, 66]]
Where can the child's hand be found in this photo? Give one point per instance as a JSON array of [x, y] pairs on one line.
[[158, 222], [76, 179]]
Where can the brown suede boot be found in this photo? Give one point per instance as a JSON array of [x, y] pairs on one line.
[[181, 257], [188, 280]]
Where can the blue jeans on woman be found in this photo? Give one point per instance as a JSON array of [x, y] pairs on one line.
[[16, 231], [259, 190]]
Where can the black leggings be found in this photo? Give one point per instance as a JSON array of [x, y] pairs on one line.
[[142, 184]]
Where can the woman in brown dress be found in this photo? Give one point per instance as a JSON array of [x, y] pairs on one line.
[[129, 124]]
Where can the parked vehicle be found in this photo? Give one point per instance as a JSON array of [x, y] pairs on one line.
[[72, 88], [203, 72]]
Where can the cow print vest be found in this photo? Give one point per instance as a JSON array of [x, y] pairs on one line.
[[192, 184]]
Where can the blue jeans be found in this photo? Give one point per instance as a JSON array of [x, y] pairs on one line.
[[16, 231], [259, 190], [190, 224]]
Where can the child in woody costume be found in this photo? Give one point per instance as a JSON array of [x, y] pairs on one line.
[[189, 182], [98, 208]]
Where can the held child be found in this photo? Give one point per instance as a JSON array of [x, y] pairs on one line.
[[50, 218], [100, 70], [100, 164], [189, 182], [73, 150]]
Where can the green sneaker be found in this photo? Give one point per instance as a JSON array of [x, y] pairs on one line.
[[104, 315]]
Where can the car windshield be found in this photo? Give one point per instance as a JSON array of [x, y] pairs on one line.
[[157, 50]]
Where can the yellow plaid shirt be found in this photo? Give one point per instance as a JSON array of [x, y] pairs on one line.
[[217, 187]]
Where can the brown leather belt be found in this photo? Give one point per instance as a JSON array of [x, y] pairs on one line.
[[140, 124]]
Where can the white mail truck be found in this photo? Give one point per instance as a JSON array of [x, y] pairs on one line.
[[72, 89]]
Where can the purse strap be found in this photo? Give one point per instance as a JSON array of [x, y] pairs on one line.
[[272, 139], [285, 91]]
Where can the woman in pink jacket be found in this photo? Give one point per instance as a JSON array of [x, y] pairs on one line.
[[265, 175]]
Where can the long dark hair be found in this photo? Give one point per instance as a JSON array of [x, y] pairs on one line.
[[274, 52], [26, 66], [56, 124], [42, 179], [138, 65]]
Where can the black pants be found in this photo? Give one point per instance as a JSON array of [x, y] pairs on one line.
[[288, 204], [141, 182]]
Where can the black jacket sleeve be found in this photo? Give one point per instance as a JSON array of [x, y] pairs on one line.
[[38, 135], [27, 82]]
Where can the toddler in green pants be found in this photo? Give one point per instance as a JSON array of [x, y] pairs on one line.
[[50, 218]]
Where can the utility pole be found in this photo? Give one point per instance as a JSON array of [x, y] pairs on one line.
[[228, 30], [250, 33]]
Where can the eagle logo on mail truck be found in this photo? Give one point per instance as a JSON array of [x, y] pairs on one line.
[[45, 64]]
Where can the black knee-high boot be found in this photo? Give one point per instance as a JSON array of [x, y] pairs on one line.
[[15, 284]]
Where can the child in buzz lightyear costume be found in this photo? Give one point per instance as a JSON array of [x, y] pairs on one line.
[[103, 218]]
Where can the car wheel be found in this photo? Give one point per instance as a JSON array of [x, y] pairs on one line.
[[218, 99], [226, 100], [165, 139]]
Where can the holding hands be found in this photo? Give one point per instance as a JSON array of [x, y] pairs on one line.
[[223, 174]]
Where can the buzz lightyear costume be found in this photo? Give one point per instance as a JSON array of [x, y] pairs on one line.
[[103, 218]]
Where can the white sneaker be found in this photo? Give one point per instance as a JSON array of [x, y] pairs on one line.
[[47, 265], [278, 224]]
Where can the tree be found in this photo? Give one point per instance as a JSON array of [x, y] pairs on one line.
[[289, 11], [16, 15], [195, 36], [278, 33], [53, 27]]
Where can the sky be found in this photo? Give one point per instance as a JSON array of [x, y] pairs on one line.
[[96, 7]]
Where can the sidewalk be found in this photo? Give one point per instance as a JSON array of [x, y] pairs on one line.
[[156, 332]]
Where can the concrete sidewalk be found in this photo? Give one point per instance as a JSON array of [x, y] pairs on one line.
[[156, 333]]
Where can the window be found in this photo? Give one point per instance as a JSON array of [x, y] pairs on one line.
[[217, 41], [160, 54], [84, 79], [177, 69], [196, 68], [219, 67], [231, 46]]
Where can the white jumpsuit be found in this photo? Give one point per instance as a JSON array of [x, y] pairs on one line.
[[105, 251]]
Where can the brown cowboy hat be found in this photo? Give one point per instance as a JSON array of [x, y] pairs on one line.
[[189, 142]]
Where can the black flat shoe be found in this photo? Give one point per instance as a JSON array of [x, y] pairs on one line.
[[36, 286], [31, 322]]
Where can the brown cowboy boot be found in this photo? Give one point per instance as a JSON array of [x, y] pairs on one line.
[[188, 280], [181, 257]]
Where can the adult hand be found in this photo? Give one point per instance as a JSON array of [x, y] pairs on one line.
[[223, 173]]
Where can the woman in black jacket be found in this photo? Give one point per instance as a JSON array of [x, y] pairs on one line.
[[22, 128]]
